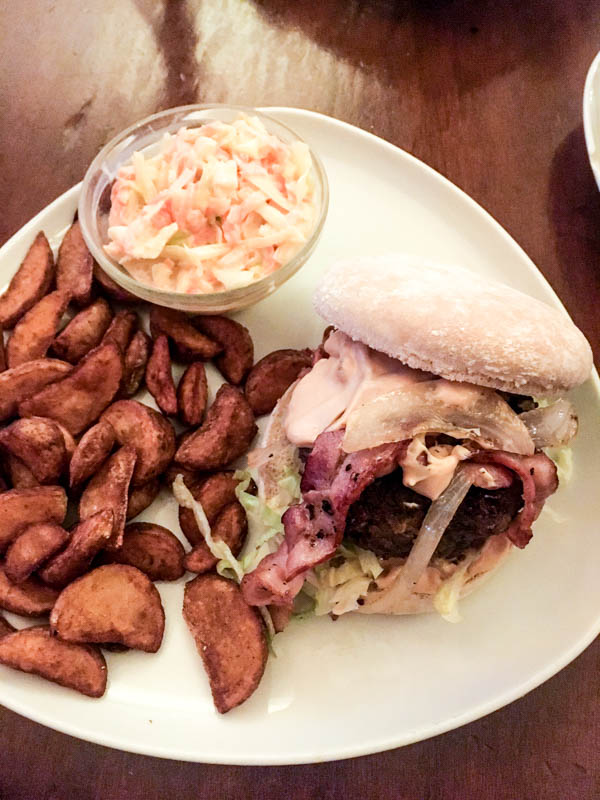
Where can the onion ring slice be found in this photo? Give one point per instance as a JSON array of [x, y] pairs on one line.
[[461, 410]]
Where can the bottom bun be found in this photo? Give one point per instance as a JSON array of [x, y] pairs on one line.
[[387, 599]]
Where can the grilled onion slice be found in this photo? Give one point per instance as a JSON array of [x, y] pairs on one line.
[[460, 410]]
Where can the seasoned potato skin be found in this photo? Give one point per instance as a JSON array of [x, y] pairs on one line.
[[30, 282], [75, 266], [192, 395], [226, 433], [114, 603], [81, 667], [238, 349], [229, 637], [270, 378]]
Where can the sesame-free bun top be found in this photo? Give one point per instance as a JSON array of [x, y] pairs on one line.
[[454, 323]]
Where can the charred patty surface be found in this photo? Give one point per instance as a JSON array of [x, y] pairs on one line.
[[388, 515]]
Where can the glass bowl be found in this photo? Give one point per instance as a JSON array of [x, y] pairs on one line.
[[94, 206]]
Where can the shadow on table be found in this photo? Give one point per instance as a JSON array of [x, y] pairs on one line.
[[471, 42], [574, 212], [172, 24]]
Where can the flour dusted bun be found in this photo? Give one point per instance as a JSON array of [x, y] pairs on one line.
[[455, 323]]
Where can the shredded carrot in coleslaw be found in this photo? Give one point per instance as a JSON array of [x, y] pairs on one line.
[[219, 207]]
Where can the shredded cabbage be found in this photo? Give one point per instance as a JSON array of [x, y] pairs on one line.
[[446, 598], [338, 589], [217, 207], [563, 458], [217, 547], [265, 528]]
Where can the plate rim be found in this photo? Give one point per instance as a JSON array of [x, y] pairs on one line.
[[387, 742], [592, 140]]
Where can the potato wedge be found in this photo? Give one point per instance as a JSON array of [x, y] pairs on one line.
[[22, 382], [29, 284], [78, 400], [5, 627], [83, 332], [113, 647], [86, 540], [113, 603], [140, 497], [20, 476], [192, 394], [34, 332], [214, 494], [75, 266], [22, 507], [108, 287], [238, 349], [30, 598], [270, 377], [39, 443], [32, 548], [68, 439], [76, 666], [121, 329], [190, 343], [109, 489], [226, 433], [136, 358], [190, 477], [230, 527], [148, 431], [91, 452], [159, 378], [152, 549], [229, 636]]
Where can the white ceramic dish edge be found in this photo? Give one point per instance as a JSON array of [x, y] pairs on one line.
[[539, 677]]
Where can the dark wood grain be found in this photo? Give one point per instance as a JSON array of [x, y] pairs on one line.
[[489, 93]]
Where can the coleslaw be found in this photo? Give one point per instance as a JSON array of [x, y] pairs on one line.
[[218, 207]]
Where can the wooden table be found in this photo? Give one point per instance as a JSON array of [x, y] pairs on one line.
[[488, 93]]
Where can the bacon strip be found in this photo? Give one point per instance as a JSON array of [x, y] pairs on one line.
[[314, 528], [332, 481], [323, 461], [537, 473]]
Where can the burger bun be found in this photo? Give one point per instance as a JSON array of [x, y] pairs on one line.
[[454, 323]]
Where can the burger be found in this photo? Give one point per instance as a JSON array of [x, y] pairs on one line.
[[403, 467]]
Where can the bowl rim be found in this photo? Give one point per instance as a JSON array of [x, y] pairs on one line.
[[226, 296]]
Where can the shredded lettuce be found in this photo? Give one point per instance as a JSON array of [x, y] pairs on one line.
[[265, 528], [338, 589], [563, 458], [446, 598], [217, 547]]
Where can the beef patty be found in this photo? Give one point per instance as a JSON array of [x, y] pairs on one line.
[[387, 517]]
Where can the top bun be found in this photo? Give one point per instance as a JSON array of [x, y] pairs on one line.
[[455, 323]]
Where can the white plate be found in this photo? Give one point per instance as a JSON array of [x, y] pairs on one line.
[[358, 685], [591, 115]]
